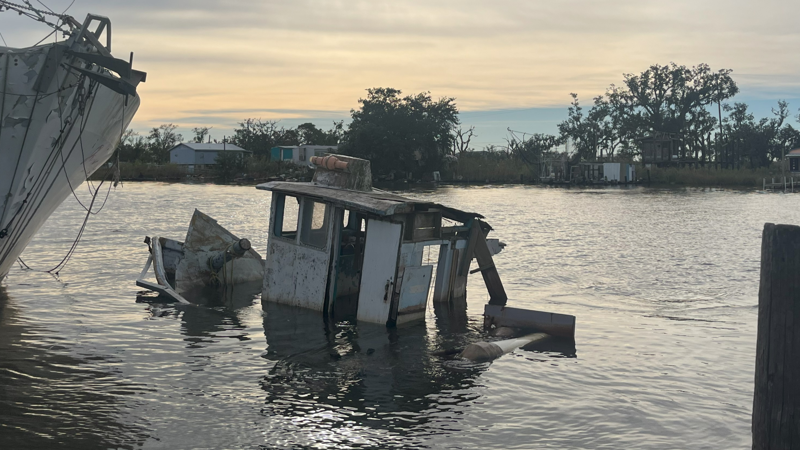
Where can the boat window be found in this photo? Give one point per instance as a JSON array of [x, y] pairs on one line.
[[287, 209], [314, 231], [355, 222]]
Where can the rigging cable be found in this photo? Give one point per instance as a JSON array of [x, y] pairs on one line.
[[48, 167], [80, 98]]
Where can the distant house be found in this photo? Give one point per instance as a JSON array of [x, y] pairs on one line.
[[196, 155], [299, 154], [619, 172], [660, 148], [794, 161]]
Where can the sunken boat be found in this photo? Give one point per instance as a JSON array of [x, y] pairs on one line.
[[340, 247], [350, 252], [64, 106], [210, 257]]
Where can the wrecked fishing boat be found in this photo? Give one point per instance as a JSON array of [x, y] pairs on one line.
[[340, 247], [209, 257], [63, 108]]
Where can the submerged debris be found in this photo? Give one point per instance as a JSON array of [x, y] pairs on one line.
[[211, 256]]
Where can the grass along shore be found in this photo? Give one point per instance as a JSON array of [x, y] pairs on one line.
[[255, 171], [467, 171]]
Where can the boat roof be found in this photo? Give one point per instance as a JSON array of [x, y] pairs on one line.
[[377, 202], [217, 147]]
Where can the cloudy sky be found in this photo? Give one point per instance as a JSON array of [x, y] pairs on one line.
[[508, 63]]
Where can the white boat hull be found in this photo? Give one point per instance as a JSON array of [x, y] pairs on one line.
[[56, 126]]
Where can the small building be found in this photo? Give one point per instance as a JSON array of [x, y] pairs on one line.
[[660, 149], [300, 154], [619, 172], [195, 155], [794, 161], [588, 172]]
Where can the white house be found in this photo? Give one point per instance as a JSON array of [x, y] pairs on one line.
[[619, 172], [794, 161], [300, 154], [193, 154]]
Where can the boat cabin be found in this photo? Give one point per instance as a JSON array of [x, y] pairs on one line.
[[340, 247]]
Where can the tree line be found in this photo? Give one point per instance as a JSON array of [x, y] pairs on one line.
[[409, 135], [688, 104], [252, 134]]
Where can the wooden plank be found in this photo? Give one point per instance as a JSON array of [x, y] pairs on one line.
[[497, 294], [776, 401], [559, 325], [466, 257]]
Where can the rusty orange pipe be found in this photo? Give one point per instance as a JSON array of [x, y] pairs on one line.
[[329, 162]]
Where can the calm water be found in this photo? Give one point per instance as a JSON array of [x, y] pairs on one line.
[[664, 285]]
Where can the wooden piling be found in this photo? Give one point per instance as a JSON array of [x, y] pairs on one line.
[[776, 403]]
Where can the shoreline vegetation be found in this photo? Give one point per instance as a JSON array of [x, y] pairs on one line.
[[675, 123], [470, 170]]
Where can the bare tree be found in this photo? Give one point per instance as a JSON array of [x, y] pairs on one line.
[[201, 133], [461, 140]]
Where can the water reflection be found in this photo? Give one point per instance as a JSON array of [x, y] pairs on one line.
[[339, 376], [212, 310], [49, 398]]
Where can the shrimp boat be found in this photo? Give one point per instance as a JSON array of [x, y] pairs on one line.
[[64, 106]]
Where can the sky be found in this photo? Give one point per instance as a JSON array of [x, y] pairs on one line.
[[508, 63]]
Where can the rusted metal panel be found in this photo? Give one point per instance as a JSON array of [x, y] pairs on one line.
[[378, 276]]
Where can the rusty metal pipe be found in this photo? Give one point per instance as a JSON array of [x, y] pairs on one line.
[[237, 250], [329, 162]]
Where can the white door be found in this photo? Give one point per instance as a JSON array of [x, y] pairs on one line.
[[379, 271]]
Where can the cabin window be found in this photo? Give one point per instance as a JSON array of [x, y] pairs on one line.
[[287, 209], [355, 221], [314, 231]]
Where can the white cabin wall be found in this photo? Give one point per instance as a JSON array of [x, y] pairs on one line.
[[182, 154]]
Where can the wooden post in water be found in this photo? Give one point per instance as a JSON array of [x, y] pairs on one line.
[[776, 403]]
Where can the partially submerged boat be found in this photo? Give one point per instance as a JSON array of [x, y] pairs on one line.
[[63, 108], [338, 246], [209, 257], [348, 251]]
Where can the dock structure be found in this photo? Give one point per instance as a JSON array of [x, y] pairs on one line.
[[776, 402], [783, 184]]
